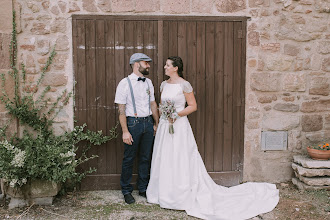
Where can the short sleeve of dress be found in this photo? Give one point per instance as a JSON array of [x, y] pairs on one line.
[[186, 87], [162, 86]]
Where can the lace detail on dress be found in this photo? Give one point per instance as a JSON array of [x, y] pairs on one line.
[[186, 87], [162, 86]]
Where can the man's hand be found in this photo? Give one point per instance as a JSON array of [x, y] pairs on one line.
[[127, 138]]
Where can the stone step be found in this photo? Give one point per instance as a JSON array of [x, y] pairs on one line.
[[310, 172], [314, 181], [303, 186], [307, 162]]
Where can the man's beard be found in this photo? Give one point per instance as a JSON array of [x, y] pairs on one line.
[[144, 71]]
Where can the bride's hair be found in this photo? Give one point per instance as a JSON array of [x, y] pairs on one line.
[[177, 62]]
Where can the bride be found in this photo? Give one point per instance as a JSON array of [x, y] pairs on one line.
[[178, 178]]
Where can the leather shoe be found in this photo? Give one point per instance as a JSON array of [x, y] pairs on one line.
[[143, 194], [129, 199]]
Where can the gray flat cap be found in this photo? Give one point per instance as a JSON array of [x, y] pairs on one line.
[[139, 57]]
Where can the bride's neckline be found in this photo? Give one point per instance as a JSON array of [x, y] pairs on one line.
[[175, 83]]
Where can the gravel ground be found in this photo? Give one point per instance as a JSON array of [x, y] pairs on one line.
[[109, 204]]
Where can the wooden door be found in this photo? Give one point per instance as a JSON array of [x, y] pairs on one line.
[[213, 52]]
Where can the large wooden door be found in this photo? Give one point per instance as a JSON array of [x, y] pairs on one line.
[[213, 52]]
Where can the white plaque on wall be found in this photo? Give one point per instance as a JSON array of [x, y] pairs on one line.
[[274, 140]]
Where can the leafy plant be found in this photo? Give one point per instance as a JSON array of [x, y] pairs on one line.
[[39, 153]]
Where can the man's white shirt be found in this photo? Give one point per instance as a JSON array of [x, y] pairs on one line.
[[141, 95]]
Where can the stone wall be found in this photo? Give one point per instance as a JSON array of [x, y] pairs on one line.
[[288, 64]]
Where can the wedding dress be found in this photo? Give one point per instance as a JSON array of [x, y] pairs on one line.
[[179, 180]]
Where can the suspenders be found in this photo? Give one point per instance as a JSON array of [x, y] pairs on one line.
[[132, 95]]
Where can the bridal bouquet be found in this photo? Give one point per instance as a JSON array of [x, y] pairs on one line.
[[168, 112]]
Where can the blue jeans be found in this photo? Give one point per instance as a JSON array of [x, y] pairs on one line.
[[142, 132]]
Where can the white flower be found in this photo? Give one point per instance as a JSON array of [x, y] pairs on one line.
[[7, 145], [68, 154], [19, 158], [13, 183], [24, 180]]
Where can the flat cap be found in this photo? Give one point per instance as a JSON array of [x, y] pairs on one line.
[[139, 57]]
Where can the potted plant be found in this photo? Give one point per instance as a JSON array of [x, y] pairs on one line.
[[35, 161], [319, 152]]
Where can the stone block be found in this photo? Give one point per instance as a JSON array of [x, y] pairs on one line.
[[254, 38], [202, 6], [17, 203], [104, 5], [45, 4], [294, 82], [60, 61], [280, 122], [6, 10], [43, 46], [307, 172], [307, 162], [62, 6], [267, 98], [124, 5], [175, 7], [59, 25], [147, 6], [291, 50], [226, 6], [4, 51], [265, 82], [55, 80], [89, 5], [314, 181], [303, 186], [54, 10], [259, 3], [62, 43], [319, 136], [326, 64], [315, 106], [40, 29], [73, 7], [324, 47], [271, 47], [279, 63], [286, 107], [311, 123], [319, 86]]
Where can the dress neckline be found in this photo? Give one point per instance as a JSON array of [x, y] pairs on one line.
[[174, 83]]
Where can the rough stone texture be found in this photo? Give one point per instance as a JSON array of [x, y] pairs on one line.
[[59, 25], [291, 50], [40, 29], [62, 43], [55, 80], [307, 162], [259, 3], [281, 122], [60, 61], [55, 10], [314, 181], [267, 98], [311, 122], [175, 7], [315, 106], [302, 171], [319, 136], [89, 5], [286, 107], [104, 5], [147, 6], [279, 63], [43, 46], [303, 186], [319, 86], [253, 38], [324, 47], [294, 82], [62, 6], [272, 47], [265, 82], [4, 52], [6, 16], [226, 6], [326, 64], [74, 7], [202, 6], [123, 5]]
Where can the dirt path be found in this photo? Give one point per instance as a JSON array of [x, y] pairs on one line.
[[293, 204]]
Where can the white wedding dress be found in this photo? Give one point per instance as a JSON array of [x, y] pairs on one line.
[[179, 180]]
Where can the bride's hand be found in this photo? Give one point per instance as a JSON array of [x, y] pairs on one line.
[[155, 129]]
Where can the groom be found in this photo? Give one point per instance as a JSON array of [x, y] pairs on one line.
[[138, 118]]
